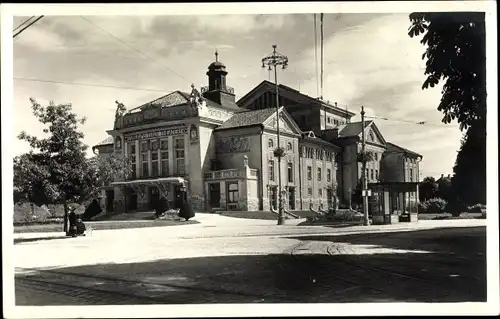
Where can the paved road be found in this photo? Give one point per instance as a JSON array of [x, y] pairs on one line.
[[226, 261]]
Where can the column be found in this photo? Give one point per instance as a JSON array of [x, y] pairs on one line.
[[137, 158], [171, 154]]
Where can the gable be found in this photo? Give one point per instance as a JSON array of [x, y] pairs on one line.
[[373, 135], [287, 124]]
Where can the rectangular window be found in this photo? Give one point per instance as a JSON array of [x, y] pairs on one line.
[[320, 192], [319, 174], [411, 175], [133, 173], [310, 191], [290, 172], [232, 193], [371, 174], [271, 170], [329, 120], [164, 158], [164, 145], [376, 174], [164, 163], [145, 165], [154, 164], [144, 147], [328, 175], [179, 156], [132, 148], [376, 156], [309, 172]]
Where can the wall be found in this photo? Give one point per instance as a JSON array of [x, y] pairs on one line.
[[316, 199], [351, 170], [291, 156], [391, 168], [233, 158]]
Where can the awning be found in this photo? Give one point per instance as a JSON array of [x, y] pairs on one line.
[[138, 185]]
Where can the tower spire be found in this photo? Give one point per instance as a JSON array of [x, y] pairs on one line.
[[216, 56]]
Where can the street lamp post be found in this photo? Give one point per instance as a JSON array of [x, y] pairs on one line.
[[274, 60]]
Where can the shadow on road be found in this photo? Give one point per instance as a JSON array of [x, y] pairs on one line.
[[34, 239], [439, 276]]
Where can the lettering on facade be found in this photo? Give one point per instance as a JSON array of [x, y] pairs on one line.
[[159, 133], [238, 144], [193, 134]]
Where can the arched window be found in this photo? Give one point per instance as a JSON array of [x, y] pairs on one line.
[[271, 143]]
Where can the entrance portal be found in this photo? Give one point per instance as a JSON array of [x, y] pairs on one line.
[[291, 198], [274, 197], [110, 199], [214, 195], [154, 197]]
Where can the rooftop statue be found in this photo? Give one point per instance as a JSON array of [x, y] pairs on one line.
[[120, 109], [196, 99]]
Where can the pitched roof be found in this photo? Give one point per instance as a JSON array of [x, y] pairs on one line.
[[107, 141], [303, 97], [393, 148], [178, 98], [352, 129], [247, 118]]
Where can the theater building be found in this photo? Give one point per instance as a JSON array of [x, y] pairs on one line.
[[222, 150]]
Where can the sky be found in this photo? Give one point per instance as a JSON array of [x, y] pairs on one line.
[[369, 60]]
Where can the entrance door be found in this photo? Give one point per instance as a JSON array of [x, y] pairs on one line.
[[110, 199], [154, 196], [214, 195], [291, 198], [274, 197], [132, 200]]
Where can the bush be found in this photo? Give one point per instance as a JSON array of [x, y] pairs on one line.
[[422, 209], [435, 206], [26, 213], [346, 216], [477, 208]]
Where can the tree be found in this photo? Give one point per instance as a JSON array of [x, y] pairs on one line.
[[427, 189], [456, 54], [469, 179], [57, 170]]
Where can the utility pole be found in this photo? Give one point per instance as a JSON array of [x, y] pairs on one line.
[[364, 191], [273, 60]]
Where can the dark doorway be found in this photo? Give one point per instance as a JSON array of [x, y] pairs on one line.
[[110, 199], [214, 194], [132, 200], [291, 198], [154, 197], [274, 197]]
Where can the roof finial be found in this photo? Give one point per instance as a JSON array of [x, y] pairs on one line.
[[216, 56]]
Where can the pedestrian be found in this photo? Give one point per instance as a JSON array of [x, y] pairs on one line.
[[72, 222]]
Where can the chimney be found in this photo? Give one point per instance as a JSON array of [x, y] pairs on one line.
[[442, 175]]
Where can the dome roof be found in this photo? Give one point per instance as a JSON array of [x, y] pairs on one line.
[[216, 65]]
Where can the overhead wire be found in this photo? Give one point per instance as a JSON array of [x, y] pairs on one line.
[[316, 55], [87, 84], [23, 23], [26, 27], [136, 50]]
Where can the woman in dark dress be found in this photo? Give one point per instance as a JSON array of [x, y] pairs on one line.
[[72, 222]]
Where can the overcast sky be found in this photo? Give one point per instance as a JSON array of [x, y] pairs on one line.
[[369, 60]]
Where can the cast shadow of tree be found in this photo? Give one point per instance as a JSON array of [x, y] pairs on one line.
[[282, 278]]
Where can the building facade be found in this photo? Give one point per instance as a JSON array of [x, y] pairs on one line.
[[223, 151]]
